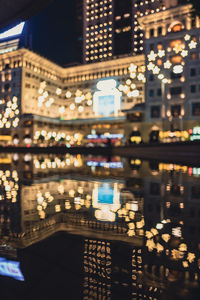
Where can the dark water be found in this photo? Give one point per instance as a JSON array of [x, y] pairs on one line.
[[76, 227]]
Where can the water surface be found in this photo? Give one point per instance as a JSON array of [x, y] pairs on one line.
[[98, 228]]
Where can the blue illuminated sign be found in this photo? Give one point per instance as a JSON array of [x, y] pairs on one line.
[[109, 165], [102, 136], [107, 100], [105, 194], [11, 269], [106, 105]]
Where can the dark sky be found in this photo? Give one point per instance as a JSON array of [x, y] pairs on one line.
[[53, 32]]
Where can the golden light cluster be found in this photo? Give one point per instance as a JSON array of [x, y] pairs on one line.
[[97, 269], [43, 97], [42, 203], [63, 137], [131, 213], [80, 99], [56, 162], [9, 113], [9, 182], [158, 239], [130, 87], [162, 60]]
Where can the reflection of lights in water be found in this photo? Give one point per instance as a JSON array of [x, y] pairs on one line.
[[10, 269], [27, 157], [15, 156], [9, 185], [179, 252], [106, 199], [177, 231]]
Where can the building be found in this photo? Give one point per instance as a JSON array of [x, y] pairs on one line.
[[45, 102], [79, 29], [111, 28], [114, 101], [172, 59]]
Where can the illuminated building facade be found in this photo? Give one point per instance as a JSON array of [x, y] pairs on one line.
[[118, 100], [111, 27], [42, 102], [172, 59], [140, 9]]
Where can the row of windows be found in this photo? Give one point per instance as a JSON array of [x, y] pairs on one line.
[[155, 111], [175, 91], [93, 76], [154, 32], [33, 76], [193, 73]]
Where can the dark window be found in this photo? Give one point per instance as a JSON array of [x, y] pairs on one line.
[[177, 90], [155, 188], [7, 66], [151, 93], [193, 23], [155, 111], [196, 109], [159, 30], [175, 110], [135, 117], [151, 46], [192, 213], [175, 190], [196, 192], [150, 207], [193, 72], [159, 92], [151, 32], [7, 86], [175, 76], [193, 89], [151, 77]]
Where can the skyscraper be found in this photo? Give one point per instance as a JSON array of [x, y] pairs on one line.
[[79, 29], [111, 29]]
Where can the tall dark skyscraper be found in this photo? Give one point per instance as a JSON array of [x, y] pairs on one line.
[[79, 28], [123, 27], [111, 28]]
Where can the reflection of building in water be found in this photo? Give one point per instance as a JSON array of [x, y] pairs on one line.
[[97, 270], [157, 204], [114, 271], [106, 200], [77, 203], [9, 202], [171, 236]]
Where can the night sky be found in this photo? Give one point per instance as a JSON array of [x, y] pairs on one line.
[[53, 32]]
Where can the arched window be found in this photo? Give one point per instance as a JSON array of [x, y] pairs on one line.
[[176, 26]]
